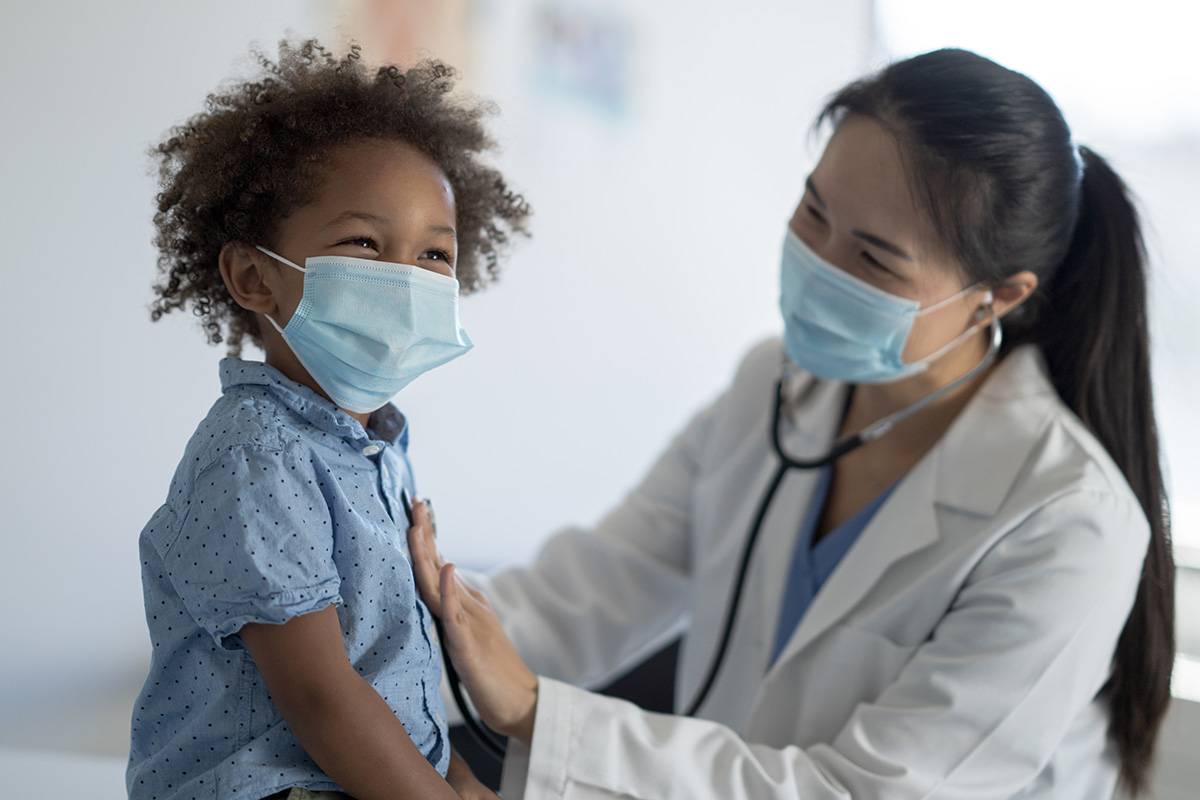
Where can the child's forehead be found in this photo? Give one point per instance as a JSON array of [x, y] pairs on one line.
[[378, 181], [375, 162], [376, 152]]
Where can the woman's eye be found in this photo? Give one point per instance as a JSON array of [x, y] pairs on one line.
[[365, 242], [814, 214], [875, 263]]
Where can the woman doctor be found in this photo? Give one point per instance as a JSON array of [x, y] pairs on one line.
[[975, 601]]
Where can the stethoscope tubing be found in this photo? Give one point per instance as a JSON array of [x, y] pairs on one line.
[[787, 463], [488, 740]]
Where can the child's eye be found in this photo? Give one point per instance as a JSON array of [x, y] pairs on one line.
[[437, 255]]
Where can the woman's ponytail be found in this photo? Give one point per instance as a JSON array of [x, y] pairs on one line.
[[1006, 190], [1096, 342]]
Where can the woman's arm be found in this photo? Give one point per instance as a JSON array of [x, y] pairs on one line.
[[342, 723], [978, 711]]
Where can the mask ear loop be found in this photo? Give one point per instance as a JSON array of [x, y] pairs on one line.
[[281, 260], [877, 429], [982, 320]]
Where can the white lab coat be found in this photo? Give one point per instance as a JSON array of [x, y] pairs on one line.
[[956, 652]]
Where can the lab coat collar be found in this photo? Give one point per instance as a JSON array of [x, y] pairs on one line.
[[993, 435], [997, 425], [971, 469]]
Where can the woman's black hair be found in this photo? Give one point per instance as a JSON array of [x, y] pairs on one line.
[[1006, 189]]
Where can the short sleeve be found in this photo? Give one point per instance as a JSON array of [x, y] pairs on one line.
[[256, 543]]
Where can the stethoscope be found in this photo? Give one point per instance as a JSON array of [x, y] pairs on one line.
[[787, 463], [490, 741]]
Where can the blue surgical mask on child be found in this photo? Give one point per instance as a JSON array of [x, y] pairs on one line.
[[366, 329], [839, 327]]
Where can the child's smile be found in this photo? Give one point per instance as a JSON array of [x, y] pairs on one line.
[[379, 200]]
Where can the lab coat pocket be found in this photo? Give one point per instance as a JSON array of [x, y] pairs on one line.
[[582, 791], [874, 659], [828, 679]]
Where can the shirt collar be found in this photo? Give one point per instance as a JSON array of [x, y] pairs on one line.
[[387, 424]]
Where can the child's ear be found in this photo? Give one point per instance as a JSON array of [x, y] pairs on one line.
[[243, 270]]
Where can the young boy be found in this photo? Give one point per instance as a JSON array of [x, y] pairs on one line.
[[330, 214]]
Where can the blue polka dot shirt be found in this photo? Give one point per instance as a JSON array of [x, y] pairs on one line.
[[283, 505]]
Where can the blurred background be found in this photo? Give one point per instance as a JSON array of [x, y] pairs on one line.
[[662, 146]]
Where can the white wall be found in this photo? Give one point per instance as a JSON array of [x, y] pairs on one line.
[[96, 402], [652, 268]]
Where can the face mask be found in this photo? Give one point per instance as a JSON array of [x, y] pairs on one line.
[[366, 329], [839, 327]]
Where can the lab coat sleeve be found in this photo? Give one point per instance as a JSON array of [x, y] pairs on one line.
[[595, 602], [977, 711]]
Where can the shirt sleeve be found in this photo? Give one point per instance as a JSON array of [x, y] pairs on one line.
[[256, 543]]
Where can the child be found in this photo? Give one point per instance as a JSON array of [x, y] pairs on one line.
[[325, 212]]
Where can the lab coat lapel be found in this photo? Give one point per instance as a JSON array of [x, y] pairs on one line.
[[970, 470], [904, 524]]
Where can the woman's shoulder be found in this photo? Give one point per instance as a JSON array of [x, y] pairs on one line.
[[1017, 446], [762, 361]]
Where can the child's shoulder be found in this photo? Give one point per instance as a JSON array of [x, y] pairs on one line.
[[252, 415]]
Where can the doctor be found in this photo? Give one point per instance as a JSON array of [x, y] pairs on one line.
[[971, 600]]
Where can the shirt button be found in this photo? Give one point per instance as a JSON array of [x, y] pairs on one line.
[[370, 450]]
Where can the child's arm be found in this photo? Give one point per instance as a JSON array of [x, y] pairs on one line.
[[340, 721]]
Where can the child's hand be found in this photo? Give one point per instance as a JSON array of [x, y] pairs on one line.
[[502, 688], [464, 782]]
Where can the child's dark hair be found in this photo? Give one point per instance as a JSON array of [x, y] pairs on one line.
[[1007, 189], [232, 172]]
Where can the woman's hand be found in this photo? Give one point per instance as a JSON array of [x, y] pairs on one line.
[[464, 782], [503, 690]]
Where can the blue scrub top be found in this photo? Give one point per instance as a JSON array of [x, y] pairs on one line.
[[813, 564]]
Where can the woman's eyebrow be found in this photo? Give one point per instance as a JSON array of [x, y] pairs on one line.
[[882, 244], [812, 189], [869, 238]]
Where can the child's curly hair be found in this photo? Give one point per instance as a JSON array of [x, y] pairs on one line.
[[232, 172]]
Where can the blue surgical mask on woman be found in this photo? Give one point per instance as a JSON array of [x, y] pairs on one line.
[[365, 329], [839, 327]]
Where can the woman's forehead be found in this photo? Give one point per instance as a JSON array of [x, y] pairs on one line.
[[864, 178]]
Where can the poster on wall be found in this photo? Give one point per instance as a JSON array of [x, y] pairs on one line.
[[582, 55], [407, 31]]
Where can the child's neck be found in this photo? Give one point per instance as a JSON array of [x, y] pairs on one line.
[[281, 357]]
